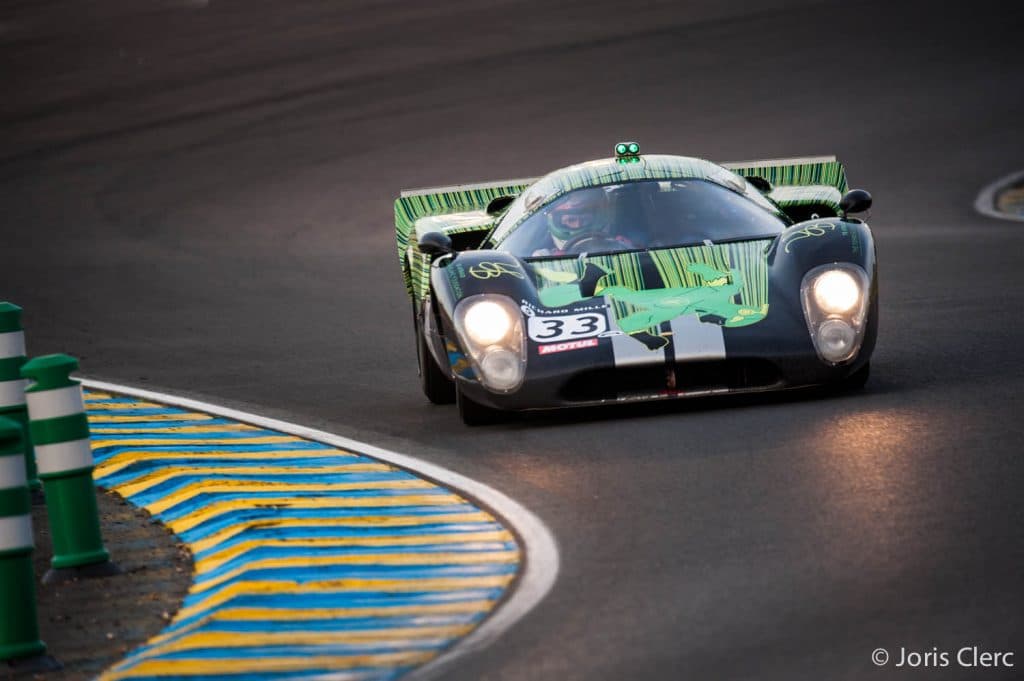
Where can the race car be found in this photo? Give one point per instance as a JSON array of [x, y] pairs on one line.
[[639, 277]]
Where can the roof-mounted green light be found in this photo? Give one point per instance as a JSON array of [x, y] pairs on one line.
[[627, 152]]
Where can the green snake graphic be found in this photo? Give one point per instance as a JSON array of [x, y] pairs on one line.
[[712, 302]]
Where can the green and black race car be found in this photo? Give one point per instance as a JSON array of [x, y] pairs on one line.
[[639, 277]]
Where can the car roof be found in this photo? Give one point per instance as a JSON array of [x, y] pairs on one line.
[[612, 171], [649, 166]]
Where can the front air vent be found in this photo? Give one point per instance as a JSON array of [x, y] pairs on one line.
[[697, 377], [732, 374]]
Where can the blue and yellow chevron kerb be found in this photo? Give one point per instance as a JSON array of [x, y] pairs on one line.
[[309, 560]]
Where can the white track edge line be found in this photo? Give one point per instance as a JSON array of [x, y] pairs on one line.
[[540, 566], [985, 203]]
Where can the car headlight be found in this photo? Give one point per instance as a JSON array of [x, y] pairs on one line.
[[836, 291], [490, 328], [835, 301], [487, 322]]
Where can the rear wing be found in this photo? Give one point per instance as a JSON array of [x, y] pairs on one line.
[[799, 183], [795, 172], [414, 204]]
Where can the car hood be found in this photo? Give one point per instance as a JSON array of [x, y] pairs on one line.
[[725, 284]]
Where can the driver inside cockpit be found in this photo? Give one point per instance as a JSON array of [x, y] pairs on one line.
[[579, 221]]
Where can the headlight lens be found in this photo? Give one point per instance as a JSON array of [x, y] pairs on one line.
[[836, 339], [836, 291], [502, 368], [490, 328], [835, 301], [487, 322]]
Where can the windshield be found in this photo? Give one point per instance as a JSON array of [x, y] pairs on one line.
[[642, 214]]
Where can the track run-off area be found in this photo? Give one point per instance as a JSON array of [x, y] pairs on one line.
[[311, 559]]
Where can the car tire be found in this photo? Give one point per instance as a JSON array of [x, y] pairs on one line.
[[856, 380], [475, 414], [436, 385]]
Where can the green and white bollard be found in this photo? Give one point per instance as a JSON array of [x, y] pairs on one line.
[[60, 433], [12, 385], [19, 627]]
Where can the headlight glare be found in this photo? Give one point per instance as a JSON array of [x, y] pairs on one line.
[[487, 322], [490, 329], [836, 291]]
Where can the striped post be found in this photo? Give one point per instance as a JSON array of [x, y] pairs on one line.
[[60, 433], [19, 628], [12, 385]]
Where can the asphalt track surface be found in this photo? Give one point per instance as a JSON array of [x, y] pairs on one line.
[[197, 197]]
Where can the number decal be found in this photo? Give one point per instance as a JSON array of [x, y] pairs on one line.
[[566, 327], [590, 325], [554, 326]]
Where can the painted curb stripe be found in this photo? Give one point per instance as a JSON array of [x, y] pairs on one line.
[[470, 541], [218, 534], [335, 616], [338, 608], [134, 459], [146, 418], [535, 580], [154, 427], [310, 558], [179, 476], [15, 532], [51, 404]]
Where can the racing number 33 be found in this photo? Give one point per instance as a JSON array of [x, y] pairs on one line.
[[549, 329]]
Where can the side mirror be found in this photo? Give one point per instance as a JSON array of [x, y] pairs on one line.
[[761, 184], [499, 204], [855, 201], [436, 244]]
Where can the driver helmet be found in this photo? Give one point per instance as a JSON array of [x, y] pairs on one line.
[[584, 211]]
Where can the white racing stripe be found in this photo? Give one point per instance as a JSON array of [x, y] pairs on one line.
[[697, 340], [63, 456], [12, 344], [12, 470], [540, 567], [51, 404], [626, 350], [15, 532], [12, 393], [629, 352]]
